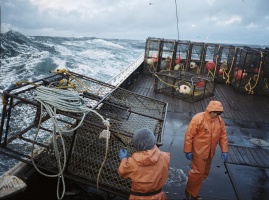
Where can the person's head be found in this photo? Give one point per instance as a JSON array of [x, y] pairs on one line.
[[143, 140], [214, 108], [214, 114]]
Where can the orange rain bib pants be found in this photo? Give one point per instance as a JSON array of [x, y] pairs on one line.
[[199, 172], [202, 136]]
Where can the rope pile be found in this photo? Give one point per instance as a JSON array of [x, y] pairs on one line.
[[53, 99]]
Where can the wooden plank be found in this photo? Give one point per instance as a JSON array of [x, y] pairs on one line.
[[265, 156], [237, 105], [238, 155], [245, 157], [198, 107], [231, 108], [261, 156], [250, 156], [257, 157], [232, 155]]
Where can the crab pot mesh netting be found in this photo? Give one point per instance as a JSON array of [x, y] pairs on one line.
[[182, 55], [262, 87], [225, 64], [184, 85], [212, 58], [27, 131], [197, 58], [152, 54], [248, 71]]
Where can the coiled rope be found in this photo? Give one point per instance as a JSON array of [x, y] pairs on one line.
[[52, 99]]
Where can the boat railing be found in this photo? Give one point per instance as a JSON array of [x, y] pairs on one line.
[[121, 77]]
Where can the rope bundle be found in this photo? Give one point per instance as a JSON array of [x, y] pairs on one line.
[[52, 99]]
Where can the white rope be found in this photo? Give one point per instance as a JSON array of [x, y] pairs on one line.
[[52, 99]]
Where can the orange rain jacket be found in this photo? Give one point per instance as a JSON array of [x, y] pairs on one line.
[[203, 133], [148, 171]]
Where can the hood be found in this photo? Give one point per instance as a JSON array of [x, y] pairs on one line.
[[214, 106], [148, 157]]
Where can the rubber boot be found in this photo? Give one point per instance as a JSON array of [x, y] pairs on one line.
[[188, 195], [197, 198]]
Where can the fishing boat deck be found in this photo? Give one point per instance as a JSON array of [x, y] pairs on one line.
[[245, 174], [237, 106]]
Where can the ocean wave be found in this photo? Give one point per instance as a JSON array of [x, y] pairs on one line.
[[32, 58]]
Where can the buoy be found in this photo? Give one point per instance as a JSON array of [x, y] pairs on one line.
[[200, 84], [223, 67], [184, 89], [193, 65], [220, 71], [239, 74], [210, 65], [154, 58], [178, 59], [149, 61], [177, 67]]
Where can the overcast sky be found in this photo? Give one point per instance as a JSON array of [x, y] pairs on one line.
[[218, 21]]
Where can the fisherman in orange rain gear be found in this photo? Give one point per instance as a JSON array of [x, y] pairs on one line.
[[147, 167], [204, 132]]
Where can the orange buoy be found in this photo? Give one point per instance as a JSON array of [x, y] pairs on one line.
[[178, 59], [220, 71], [154, 58], [239, 74], [210, 65], [200, 84]]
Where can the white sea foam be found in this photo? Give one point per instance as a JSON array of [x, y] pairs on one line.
[[101, 59], [107, 43]]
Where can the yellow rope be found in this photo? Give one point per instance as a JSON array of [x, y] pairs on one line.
[[71, 84], [228, 74], [223, 70], [210, 72], [19, 83], [163, 81], [175, 85], [250, 89]]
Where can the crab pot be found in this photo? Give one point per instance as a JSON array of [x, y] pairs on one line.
[[184, 85], [212, 58], [262, 87], [247, 70], [225, 64], [27, 130], [196, 58], [181, 56], [167, 55], [153, 51]]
